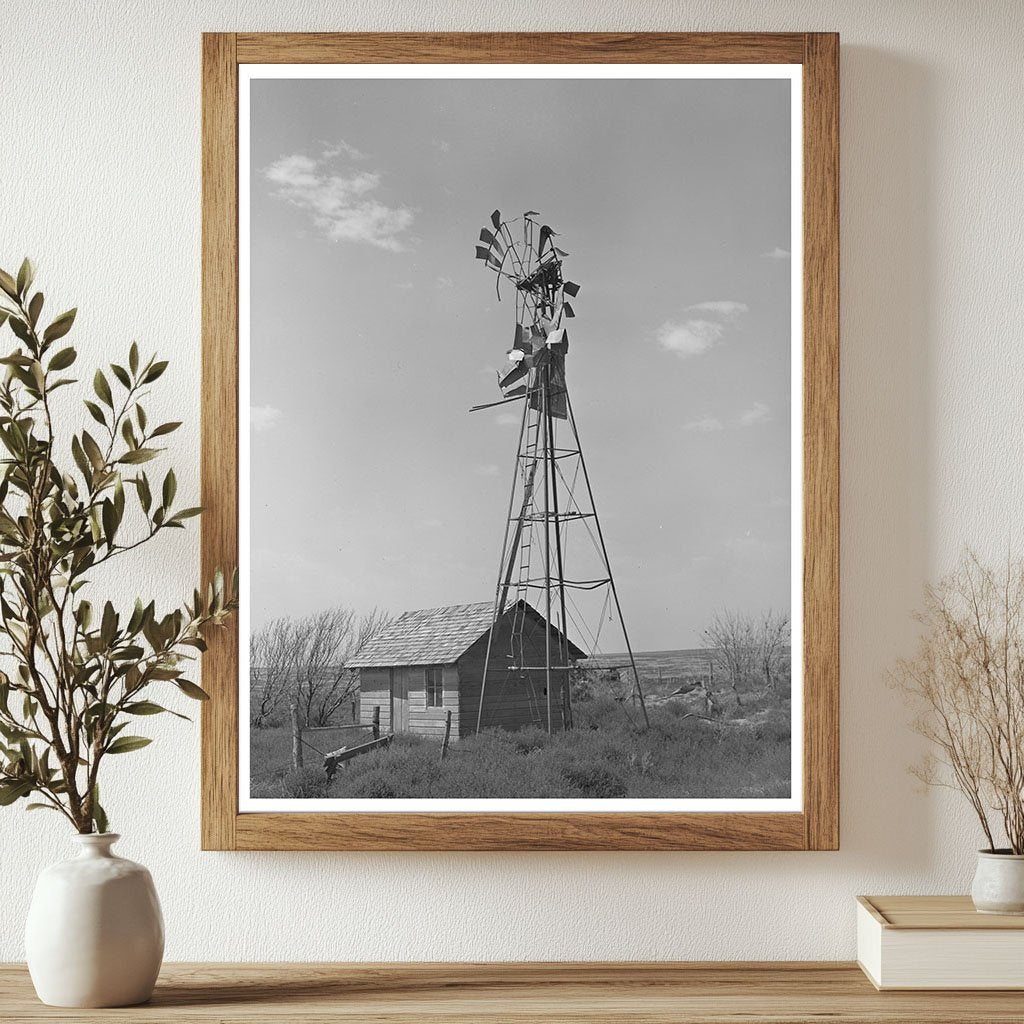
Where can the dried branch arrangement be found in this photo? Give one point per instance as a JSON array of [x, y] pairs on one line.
[[967, 680], [78, 672]]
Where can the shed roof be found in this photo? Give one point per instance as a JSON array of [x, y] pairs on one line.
[[435, 636]]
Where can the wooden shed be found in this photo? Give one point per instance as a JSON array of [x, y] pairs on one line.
[[427, 662]]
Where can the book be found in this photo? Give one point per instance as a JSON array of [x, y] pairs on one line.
[[938, 942]]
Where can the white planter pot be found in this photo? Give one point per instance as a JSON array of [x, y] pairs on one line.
[[999, 883], [95, 934]]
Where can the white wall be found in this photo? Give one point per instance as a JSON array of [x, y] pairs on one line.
[[99, 181]]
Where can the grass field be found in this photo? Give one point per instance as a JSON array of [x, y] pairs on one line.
[[744, 754]]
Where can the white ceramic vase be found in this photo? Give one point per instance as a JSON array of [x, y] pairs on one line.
[[999, 883], [95, 934]]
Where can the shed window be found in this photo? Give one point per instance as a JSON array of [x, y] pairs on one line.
[[435, 687]]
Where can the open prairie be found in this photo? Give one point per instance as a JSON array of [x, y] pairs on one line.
[[737, 748]]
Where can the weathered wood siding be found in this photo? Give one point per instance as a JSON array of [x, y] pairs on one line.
[[375, 689], [511, 699]]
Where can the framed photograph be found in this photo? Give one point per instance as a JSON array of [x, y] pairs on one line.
[[521, 422]]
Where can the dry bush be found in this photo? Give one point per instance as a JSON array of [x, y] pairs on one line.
[[967, 682]]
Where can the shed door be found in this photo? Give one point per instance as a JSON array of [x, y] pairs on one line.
[[399, 700]]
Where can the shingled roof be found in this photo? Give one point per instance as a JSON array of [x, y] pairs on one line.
[[434, 636]]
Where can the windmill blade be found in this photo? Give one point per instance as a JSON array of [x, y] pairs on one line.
[[531, 213], [488, 257], [558, 341], [492, 240], [517, 373], [545, 236], [521, 344], [568, 310], [571, 288], [496, 219]]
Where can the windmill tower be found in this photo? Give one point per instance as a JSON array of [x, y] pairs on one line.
[[551, 499]]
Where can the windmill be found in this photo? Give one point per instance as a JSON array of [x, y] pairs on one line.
[[551, 491]]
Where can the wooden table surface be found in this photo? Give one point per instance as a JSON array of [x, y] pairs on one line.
[[661, 993]]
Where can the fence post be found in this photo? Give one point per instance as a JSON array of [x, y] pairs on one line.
[[376, 722], [296, 737], [447, 732]]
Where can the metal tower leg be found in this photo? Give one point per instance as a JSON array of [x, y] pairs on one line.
[[607, 565]]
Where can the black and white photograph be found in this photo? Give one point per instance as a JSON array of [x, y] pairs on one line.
[[520, 438]]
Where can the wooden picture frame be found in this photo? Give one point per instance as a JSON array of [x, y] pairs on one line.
[[816, 827]]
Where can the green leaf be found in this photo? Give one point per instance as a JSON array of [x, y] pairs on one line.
[[139, 455], [170, 488], [121, 374], [92, 449], [185, 513], [133, 358], [108, 625], [26, 274], [95, 412], [60, 326], [154, 371], [99, 816], [83, 613], [102, 388], [40, 807], [63, 359], [191, 690], [109, 521], [126, 744], [147, 707], [14, 790], [165, 428], [35, 307], [80, 458], [145, 497], [128, 433], [20, 329], [8, 284]]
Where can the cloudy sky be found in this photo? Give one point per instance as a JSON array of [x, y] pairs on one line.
[[374, 330]]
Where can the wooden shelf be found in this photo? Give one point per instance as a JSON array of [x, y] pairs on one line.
[[660, 993]]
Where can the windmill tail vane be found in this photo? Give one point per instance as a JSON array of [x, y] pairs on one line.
[[544, 500]]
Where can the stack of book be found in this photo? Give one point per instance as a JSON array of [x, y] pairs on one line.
[[938, 942]]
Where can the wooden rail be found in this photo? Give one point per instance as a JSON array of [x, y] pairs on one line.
[[340, 756]]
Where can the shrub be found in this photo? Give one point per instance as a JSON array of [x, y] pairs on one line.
[[595, 780], [306, 784]]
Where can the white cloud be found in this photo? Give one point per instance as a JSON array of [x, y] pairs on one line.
[[777, 253], [757, 413], [724, 308], [341, 202], [443, 281], [489, 470], [263, 417], [695, 335], [691, 338], [705, 425], [342, 148], [508, 419]]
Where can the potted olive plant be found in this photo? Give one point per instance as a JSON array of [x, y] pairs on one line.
[[78, 672], [967, 683]]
